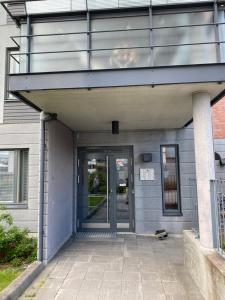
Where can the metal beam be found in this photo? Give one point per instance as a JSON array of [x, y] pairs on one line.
[[118, 78]]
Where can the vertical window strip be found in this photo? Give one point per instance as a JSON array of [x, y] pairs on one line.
[[170, 180], [23, 176]]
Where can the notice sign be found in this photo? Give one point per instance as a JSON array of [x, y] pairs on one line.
[[147, 174]]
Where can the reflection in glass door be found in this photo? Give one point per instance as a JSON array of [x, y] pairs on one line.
[[104, 190], [122, 193], [94, 207]]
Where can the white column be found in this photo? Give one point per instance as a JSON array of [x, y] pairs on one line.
[[205, 164]]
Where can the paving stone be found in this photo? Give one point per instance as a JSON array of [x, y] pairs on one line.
[[92, 274], [77, 274], [131, 276], [72, 283], [88, 295], [53, 283], [110, 294], [45, 293], [111, 284], [173, 288], [127, 268], [113, 275], [131, 295], [65, 294], [91, 284], [152, 276], [153, 287]]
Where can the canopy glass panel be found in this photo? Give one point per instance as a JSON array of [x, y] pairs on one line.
[[83, 5]]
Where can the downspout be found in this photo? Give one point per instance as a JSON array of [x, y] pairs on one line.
[[44, 118]]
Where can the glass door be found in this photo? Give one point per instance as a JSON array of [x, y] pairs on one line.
[[105, 190], [93, 186], [122, 192]]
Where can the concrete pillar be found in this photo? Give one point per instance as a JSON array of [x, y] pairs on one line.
[[205, 164]]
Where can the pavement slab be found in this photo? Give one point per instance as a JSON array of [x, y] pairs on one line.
[[129, 267]]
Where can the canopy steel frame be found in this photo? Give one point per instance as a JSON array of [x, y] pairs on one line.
[[16, 18]]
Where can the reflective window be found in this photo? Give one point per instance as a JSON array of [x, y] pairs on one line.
[[122, 190], [119, 57], [58, 42], [122, 40], [222, 34], [170, 179], [179, 53], [13, 176]]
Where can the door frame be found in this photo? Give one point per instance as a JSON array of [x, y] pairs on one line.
[[113, 152]]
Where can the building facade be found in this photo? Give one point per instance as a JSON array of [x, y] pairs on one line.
[[106, 117]]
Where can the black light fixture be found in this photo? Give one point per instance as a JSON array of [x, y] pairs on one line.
[[115, 127], [220, 159]]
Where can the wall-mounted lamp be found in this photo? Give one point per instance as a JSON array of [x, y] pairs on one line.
[[115, 127], [147, 157], [221, 160]]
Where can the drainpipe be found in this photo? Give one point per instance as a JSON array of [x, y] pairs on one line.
[[44, 118]]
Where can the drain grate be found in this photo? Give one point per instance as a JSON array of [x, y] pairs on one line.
[[96, 235]]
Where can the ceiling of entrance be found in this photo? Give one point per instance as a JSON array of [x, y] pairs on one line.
[[137, 108]]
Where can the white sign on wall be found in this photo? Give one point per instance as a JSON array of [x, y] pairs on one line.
[[147, 174]]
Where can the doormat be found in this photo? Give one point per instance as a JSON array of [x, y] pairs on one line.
[[96, 235]]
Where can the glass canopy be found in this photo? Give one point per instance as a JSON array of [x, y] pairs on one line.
[[45, 6]]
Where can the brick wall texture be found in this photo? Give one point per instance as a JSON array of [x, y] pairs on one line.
[[219, 119]]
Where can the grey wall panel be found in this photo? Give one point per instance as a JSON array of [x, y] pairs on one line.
[[59, 188], [17, 136], [5, 32], [148, 194], [18, 112]]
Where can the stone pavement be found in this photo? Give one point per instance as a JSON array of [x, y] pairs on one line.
[[129, 267]]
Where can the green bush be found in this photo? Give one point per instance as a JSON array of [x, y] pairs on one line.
[[16, 246], [223, 245]]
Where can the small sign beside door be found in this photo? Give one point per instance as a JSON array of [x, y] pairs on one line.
[[147, 174]]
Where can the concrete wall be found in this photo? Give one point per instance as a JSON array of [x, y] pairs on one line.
[[207, 268], [59, 188], [25, 136], [148, 195]]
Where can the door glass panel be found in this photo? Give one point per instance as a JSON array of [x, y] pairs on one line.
[[104, 191], [95, 198], [122, 192]]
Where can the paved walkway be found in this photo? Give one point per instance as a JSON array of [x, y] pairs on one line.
[[129, 267]]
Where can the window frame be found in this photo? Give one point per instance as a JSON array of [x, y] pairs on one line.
[[178, 211], [18, 202], [7, 73]]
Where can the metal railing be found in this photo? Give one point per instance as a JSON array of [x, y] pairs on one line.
[[194, 206], [218, 201], [131, 53]]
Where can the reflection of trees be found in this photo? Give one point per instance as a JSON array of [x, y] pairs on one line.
[[102, 182]]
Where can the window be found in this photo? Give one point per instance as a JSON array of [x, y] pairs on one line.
[[13, 176], [12, 67], [170, 180]]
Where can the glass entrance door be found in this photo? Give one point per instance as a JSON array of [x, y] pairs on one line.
[[105, 190]]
